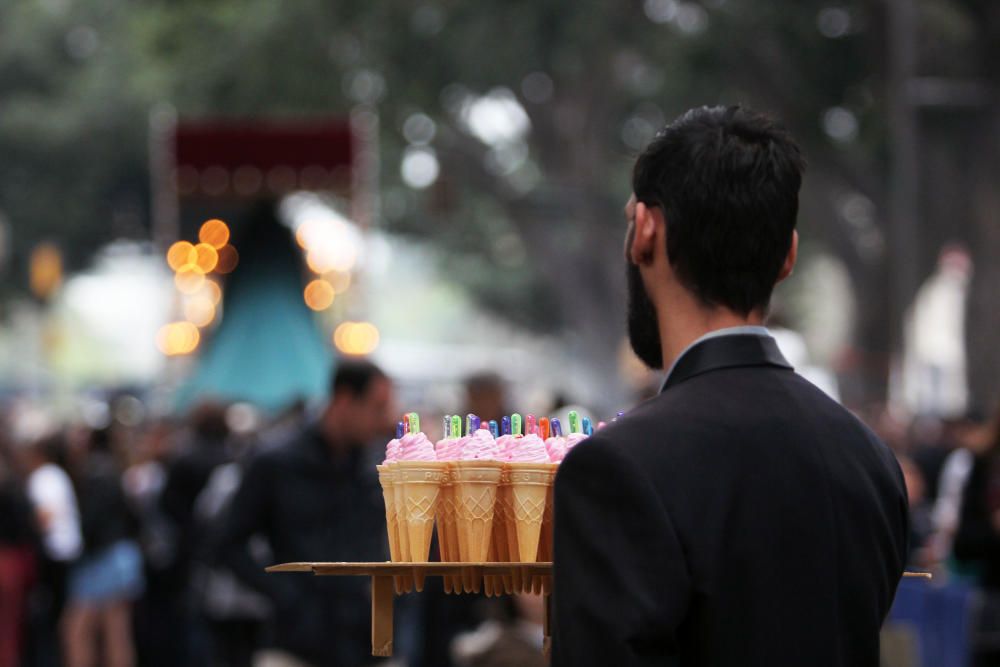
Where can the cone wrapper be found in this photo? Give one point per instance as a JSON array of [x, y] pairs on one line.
[[475, 486], [529, 487], [421, 490], [448, 532]]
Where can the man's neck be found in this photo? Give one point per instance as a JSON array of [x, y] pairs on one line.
[[683, 326]]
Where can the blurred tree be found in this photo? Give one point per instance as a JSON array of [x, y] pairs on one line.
[[531, 114]]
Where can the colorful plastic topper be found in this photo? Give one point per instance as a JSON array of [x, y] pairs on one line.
[[556, 427], [588, 427], [400, 430], [446, 426], [531, 424], [505, 425], [472, 423], [456, 426], [406, 424], [543, 428], [516, 425], [494, 429], [414, 422], [574, 422]]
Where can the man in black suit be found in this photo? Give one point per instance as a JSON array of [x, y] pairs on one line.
[[740, 517]]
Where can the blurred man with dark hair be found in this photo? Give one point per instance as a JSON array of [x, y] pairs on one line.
[[740, 517], [317, 498]]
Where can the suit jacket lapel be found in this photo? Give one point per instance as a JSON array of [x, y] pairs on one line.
[[726, 352]]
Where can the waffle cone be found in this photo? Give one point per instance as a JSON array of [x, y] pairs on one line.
[[529, 486], [447, 533], [386, 478], [421, 484], [505, 501], [475, 487], [500, 546]]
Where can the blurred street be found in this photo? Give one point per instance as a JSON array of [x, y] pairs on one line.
[[234, 234]]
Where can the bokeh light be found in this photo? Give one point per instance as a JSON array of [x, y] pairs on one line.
[[189, 280], [212, 290], [319, 294], [180, 255], [356, 338], [199, 309], [45, 270], [228, 259], [207, 257], [341, 280], [215, 233], [178, 338]]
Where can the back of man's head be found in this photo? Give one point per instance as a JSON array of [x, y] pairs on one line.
[[354, 377], [727, 180]]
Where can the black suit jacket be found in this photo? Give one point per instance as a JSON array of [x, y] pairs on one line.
[[741, 517]]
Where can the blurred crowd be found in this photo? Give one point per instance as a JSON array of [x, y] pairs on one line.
[[144, 543]]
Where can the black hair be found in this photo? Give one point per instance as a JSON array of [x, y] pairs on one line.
[[355, 376], [727, 181]]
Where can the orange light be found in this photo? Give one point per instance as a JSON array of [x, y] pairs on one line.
[[228, 259], [356, 338], [207, 257], [45, 270], [318, 294], [177, 338], [199, 310], [189, 279], [180, 255], [215, 233]]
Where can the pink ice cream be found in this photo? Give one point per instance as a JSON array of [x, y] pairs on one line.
[[556, 447], [416, 447], [392, 451], [504, 444], [574, 439], [529, 449], [481, 446], [449, 449]]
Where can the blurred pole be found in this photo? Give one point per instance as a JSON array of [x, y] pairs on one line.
[[163, 185], [904, 176], [365, 167]]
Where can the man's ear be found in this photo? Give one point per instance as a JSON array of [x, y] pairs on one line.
[[793, 254], [645, 237]]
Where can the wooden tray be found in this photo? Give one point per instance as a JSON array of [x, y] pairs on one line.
[[383, 576]]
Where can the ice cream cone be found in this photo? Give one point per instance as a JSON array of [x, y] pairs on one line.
[[421, 484], [509, 525], [447, 535], [545, 542], [386, 477], [475, 487], [500, 547], [529, 486]]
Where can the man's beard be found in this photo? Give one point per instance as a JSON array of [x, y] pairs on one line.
[[643, 325]]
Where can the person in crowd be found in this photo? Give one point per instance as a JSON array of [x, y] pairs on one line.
[[54, 502], [158, 619], [18, 544], [514, 639], [977, 542], [201, 448], [486, 395], [971, 440], [108, 577], [742, 516], [317, 498]]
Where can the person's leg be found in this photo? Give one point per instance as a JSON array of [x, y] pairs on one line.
[[10, 606], [78, 627], [117, 627]]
